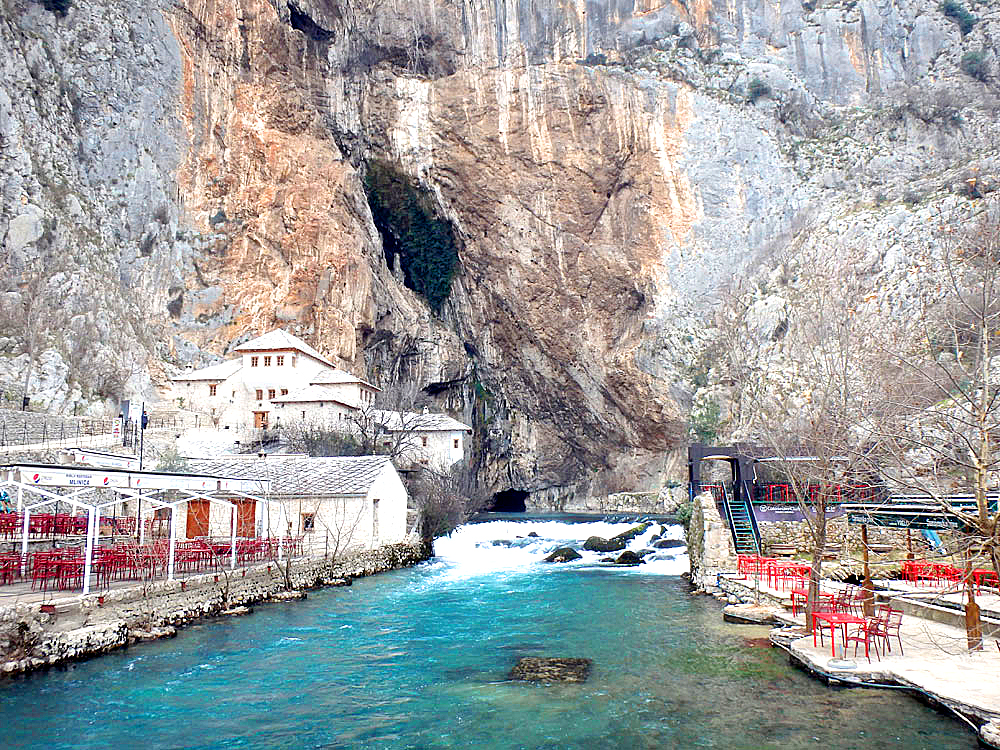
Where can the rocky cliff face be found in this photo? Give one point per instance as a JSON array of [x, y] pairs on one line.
[[607, 169]]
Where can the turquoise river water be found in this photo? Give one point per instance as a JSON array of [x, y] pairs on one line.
[[417, 659]]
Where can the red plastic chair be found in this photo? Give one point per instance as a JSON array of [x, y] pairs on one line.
[[887, 625], [867, 634]]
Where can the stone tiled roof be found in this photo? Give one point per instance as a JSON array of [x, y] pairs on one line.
[[279, 339], [300, 475], [310, 394], [395, 421], [217, 372], [338, 377]]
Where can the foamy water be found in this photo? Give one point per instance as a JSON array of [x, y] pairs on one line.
[[504, 548]]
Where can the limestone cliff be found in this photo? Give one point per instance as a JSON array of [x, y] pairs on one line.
[[607, 169]]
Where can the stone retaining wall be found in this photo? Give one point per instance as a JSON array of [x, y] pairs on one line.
[[838, 531], [710, 545], [84, 626]]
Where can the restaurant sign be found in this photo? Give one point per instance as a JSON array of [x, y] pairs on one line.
[[932, 521], [48, 477]]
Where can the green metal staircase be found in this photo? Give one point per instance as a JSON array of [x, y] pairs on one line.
[[742, 524]]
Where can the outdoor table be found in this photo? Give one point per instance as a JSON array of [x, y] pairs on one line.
[[983, 577], [803, 594], [833, 619]]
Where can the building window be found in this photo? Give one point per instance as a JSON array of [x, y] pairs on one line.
[[267, 361], [253, 361], [211, 390], [260, 395], [387, 444], [308, 521], [456, 442], [280, 360], [294, 358], [423, 440], [284, 391], [270, 393]]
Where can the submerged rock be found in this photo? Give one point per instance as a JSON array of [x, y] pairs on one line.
[[550, 669], [533, 534], [600, 544], [564, 554]]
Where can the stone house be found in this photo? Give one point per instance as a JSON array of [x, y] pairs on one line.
[[335, 504], [245, 392], [434, 440]]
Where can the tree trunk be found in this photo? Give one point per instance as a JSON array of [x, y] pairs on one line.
[[868, 597], [973, 627]]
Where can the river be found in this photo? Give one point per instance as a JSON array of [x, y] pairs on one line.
[[417, 658]]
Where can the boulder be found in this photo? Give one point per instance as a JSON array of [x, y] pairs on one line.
[[668, 543], [600, 544], [533, 534], [628, 536], [628, 558], [564, 554], [550, 669]]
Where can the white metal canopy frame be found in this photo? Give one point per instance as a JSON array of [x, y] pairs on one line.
[[39, 485]]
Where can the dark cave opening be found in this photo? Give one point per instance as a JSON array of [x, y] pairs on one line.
[[304, 23], [509, 501]]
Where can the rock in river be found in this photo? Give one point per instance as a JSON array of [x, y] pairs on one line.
[[564, 554], [600, 544], [668, 543], [628, 558], [550, 669]]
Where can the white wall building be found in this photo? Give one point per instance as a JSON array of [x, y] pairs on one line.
[[434, 440], [279, 379], [337, 504], [245, 392]]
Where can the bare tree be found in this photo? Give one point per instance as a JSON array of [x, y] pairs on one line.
[[445, 499], [942, 419]]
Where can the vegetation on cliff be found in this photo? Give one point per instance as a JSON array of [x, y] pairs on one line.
[[412, 232]]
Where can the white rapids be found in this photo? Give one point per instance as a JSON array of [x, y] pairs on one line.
[[504, 547]]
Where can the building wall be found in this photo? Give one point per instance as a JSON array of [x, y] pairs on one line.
[[328, 414], [435, 448]]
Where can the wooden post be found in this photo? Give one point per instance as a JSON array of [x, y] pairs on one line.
[[909, 545], [868, 597]]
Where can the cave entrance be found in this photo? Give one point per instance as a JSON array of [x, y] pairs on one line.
[[509, 501]]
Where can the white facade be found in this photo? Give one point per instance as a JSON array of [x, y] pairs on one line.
[[247, 392], [278, 379], [336, 504]]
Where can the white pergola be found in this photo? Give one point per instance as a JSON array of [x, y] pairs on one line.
[[40, 485]]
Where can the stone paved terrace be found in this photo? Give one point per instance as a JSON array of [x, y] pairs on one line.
[[935, 657]]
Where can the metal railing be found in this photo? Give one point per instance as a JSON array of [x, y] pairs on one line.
[[31, 428]]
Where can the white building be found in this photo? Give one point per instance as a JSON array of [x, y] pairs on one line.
[[279, 379], [427, 439], [337, 504], [243, 392]]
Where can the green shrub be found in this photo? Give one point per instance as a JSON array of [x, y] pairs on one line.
[[411, 231], [959, 14], [683, 513], [705, 421], [974, 63], [757, 89]]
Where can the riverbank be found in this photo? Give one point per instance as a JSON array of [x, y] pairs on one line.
[[38, 635]]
